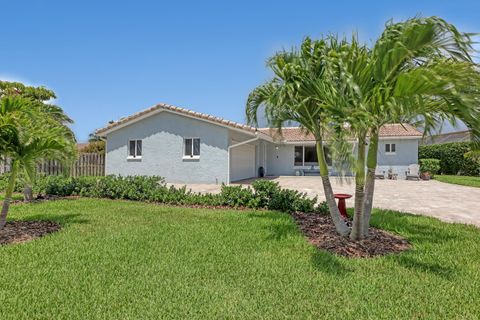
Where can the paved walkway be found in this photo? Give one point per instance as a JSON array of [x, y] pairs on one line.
[[448, 202]]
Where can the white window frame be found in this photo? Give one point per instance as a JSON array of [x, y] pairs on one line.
[[390, 148], [185, 156], [135, 156]]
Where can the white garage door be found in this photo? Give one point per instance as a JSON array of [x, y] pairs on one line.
[[242, 162]]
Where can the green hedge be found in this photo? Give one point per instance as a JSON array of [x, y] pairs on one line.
[[262, 194], [451, 156]]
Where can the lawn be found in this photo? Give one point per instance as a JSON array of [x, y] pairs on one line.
[[462, 180], [127, 260], [16, 196]]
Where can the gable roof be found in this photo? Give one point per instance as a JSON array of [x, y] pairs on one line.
[[289, 134], [296, 134], [182, 111]]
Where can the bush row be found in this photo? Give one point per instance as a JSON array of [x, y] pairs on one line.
[[263, 194], [452, 158]]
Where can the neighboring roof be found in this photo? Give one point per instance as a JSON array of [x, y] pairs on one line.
[[167, 107], [459, 136], [296, 134], [80, 146]]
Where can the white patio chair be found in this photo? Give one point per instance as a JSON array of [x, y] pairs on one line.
[[379, 174], [413, 172]]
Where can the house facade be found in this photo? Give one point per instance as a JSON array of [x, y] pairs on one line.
[[184, 146]]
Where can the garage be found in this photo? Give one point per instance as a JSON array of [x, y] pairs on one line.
[[242, 162]]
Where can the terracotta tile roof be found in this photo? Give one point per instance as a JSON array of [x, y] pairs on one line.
[[292, 134], [180, 110], [289, 134]]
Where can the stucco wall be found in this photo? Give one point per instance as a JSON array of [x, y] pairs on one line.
[[280, 158], [162, 145], [406, 153]]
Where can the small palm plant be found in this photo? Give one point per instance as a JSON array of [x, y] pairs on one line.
[[30, 133]]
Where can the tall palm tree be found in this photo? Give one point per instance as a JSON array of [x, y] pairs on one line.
[[421, 73], [302, 78], [29, 133]]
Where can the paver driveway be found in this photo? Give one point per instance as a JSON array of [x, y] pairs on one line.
[[448, 202]]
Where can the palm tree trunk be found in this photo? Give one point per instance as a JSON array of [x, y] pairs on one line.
[[28, 193], [8, 195], [358, 217], [370, 181], [340, 225]]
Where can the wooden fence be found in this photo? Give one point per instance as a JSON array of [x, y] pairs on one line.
[[87, 164]]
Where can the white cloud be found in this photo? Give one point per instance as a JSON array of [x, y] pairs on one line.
[[12, 78]]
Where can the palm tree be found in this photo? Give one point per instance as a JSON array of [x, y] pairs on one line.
[[421, 73], [29, 133], [302, 78]]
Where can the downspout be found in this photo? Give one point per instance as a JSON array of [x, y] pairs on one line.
[[234, 146]]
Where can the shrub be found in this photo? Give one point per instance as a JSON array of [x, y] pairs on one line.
[[4, 182], [451, 156], [263, 193], [237, 196], [430, 165], [322, 208]]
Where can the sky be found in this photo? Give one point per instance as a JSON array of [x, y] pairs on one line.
[[109, 59]]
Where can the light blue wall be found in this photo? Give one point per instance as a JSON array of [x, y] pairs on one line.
[[162, 136], [406, 153], [280, 157]]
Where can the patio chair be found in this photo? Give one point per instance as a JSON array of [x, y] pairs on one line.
[[379, 174], [413, 172]]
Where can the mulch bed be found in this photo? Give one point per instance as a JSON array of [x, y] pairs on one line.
[[22, 231], [320, 231]]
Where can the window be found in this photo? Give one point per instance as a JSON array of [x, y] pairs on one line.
[[310, 158], [191, 148], [390, 148], [135, 148], [307, 156], [298, 156]]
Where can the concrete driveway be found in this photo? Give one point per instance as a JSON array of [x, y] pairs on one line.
[[448, 202]]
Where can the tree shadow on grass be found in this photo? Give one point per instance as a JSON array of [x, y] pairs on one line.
[[434, 268], [418, 229], [327, 262], [424, 233], [283, 226], [63, 219]]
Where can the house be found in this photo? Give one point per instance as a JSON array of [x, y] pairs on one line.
[[185, 146]]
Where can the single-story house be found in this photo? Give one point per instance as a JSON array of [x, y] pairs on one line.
[[185, 146]]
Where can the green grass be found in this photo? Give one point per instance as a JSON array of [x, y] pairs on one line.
[[16, 196], [127, 260], [462, 180]]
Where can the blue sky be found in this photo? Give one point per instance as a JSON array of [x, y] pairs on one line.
[[108, 59]]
